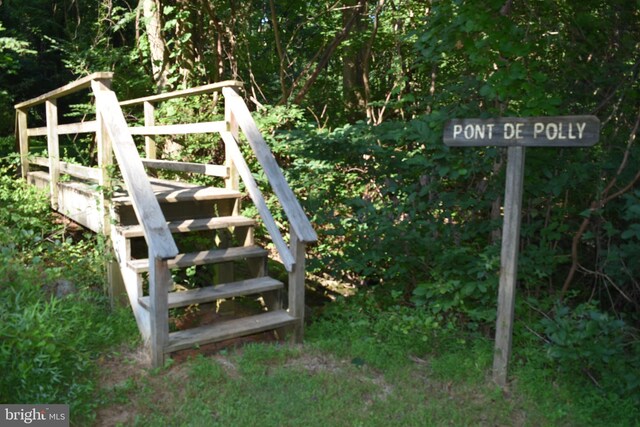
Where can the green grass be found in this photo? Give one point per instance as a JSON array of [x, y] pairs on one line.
[[353, 370], [274, 385], [284, 385]]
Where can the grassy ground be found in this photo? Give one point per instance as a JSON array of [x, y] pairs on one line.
[[282, 385], [331, 382]]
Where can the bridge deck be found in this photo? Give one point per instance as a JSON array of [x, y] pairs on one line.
[[79, 200]]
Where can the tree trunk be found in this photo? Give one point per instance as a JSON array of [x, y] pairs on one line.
[[326, 56], [281, 57], [353, 85], [153, 22]]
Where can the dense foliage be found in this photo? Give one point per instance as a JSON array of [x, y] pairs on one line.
[[50, 337], [353, 95]]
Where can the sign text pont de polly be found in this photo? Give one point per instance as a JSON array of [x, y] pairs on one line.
[[564, 131]]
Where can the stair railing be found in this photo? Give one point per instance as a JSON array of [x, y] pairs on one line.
[[301, 232], [238, 118], [52, 130], [112, 136], [159, 240]]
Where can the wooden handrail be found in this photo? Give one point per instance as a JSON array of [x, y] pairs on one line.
[[180, 129], [68, 129], [72, 169], [258, 200], [80, 84], [145, 204], [199, 90], [297, 218]]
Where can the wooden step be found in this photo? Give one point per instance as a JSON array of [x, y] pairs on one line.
[[185, 194], [189, 225], [204, 257], [228, 329], [222, 291]]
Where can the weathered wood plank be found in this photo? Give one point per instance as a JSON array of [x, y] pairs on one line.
[[133, 284], [199, 90], [201, 168], [41, 131], [53, 148], [296, 288], [180, 129], [159, 284], [185, 194], [508, 262], [79, 171], [68, 129], [80, 127], [258, 200], [79, 84], [233, 180], [105, 162], [23, 140], [39, 161], [226, 330], [150, 121], [561, 131], [79, 202], [190, 225], [145, 204], [204, 257], [218, 292], [298, 219]]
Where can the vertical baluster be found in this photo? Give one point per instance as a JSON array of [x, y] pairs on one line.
[[232, 182], [296, 286], [149, 120], [23, 141], [53, 147], [159, 283]]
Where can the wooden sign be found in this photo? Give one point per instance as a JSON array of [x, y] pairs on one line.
[[564, 131], [516, 133]]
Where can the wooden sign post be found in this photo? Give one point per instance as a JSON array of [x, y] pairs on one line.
[[516, 134]]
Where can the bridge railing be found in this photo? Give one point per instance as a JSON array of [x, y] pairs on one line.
[[114, 135]]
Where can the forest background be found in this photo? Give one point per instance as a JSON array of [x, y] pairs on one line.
[[352, 96]]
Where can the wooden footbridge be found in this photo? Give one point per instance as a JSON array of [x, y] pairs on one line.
[[144, 216]]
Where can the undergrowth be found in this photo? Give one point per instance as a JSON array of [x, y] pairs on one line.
[[50, 340]]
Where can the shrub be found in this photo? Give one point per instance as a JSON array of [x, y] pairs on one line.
[[48, 345], [586, 342]]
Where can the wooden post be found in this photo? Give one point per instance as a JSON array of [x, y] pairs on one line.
[[508, 262], [53, 147], [226, 271], [149, 120], [117, 287], [232, 182], [159, 284], [23, 141], [105, 161], [296, 287]]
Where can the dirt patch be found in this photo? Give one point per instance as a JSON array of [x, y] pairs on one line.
[[124, 372], [117, 370], [123, 375], [317, 363], [320, 363]]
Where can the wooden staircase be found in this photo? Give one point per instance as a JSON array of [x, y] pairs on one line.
[[159, 227]]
